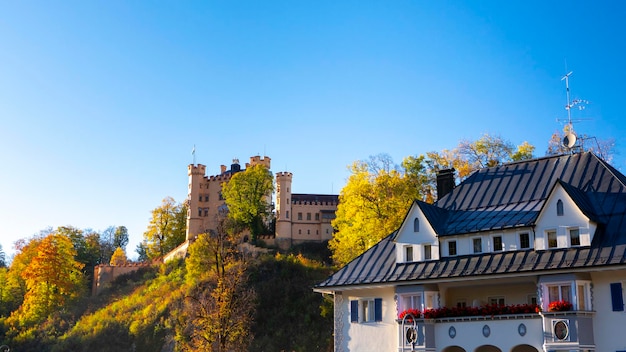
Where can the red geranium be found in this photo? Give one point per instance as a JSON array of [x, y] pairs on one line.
[[414, 312], [559, 306]]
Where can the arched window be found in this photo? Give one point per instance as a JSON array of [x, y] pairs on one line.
[[559, 207], [416, 225]]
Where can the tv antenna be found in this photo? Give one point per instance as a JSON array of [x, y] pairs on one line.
[[569, 141]]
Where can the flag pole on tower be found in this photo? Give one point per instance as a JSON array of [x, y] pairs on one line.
[[193, 153]]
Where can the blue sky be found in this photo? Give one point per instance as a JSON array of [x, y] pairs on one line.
[[101, 102]]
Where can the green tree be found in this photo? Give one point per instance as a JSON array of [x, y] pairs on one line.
[[120, 238], [166, 229], [373, 203], [248, 196], [3, 258]]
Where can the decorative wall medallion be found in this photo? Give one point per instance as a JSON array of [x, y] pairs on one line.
[[561, 330], [486, 331], [521, 329], [452, 332]]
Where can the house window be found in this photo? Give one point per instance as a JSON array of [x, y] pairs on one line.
[[428, 255], [497, 300], [617, 296], [317, 216], [531, 299], [408, 253], [497, 243], [524, 240], [299, 216], [412, 301], [452, 248], [478, 245], [308, 216], [366, 310], [416, 225], [551, 235], [574, 237], [461, 303], [559, 207], [560, 292]]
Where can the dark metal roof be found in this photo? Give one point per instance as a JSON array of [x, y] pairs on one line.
[[509, 196]]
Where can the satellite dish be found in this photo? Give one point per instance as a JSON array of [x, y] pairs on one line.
[[569, 140]]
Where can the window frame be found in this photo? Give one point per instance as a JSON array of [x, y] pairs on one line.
[[428, 251], [360, 311], [416, 224], [474, 239], [521, 244], [556, 238], [571, 239], [495, 248], [408, 253], [451, 245]]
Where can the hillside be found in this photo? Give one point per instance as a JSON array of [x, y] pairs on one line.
[[142, 311]]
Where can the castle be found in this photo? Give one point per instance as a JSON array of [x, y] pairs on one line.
[[300, 217]]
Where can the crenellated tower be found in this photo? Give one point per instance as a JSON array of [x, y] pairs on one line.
[[283, 205], [195, 222]]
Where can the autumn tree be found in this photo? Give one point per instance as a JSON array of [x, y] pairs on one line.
[[374, 201], [53, 278], [247, 195], [3, 258], [166, 229], [118, 257], [220, 307], [604, 148]]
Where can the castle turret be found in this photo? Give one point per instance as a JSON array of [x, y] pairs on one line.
[[283, 205], [195, 222]]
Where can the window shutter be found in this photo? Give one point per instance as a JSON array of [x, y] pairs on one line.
[[354, 311], [616, 297], [378, 309]]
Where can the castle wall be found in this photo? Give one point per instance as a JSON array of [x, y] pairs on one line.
[[105, 274]]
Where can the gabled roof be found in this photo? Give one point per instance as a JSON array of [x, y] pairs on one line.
[[509, 196]]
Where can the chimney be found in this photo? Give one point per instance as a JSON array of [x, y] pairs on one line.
[[445, 182]]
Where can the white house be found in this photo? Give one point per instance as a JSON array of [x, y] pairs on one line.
[[483, 266]]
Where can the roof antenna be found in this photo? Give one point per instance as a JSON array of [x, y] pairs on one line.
[[569, 141]]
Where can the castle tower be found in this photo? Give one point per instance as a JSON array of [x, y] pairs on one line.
[[283, 205], [258, 160], [195, 223]]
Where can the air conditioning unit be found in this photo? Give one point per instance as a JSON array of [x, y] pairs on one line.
[[560, 329]]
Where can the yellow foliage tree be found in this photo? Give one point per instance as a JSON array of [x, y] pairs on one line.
[[118, 257]]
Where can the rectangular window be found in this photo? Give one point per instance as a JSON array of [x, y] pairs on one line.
[[532, 299], [299, 216], [581, 298], [497, 243], [413, 301], [317, 216], [366, 310], [199, 211], [200, 200], [206, 211], [206, 198], [428, 255], [408, 253], [497, 301], [287, 214], [574, 237], [617, 297], [478, 245], [561, 292], [551, 235], [452, 248], [308, 216], [524, 240], [461, 303]]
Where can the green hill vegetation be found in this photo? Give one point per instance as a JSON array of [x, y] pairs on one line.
[[147, 311]]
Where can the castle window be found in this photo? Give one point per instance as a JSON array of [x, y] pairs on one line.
[[287, 200], [317, 216], [497, 243], [206, 198], [559, 207], [478, 245], [299, 216], [206, 211], [574, 237], [308, 216], [524, 240], [317, 232], [287, 214], [452, 248], [428, 255], [552, 242], [299, 232], [327, 231], [199, 211], [200, 200], [308, 232], [416, 225]]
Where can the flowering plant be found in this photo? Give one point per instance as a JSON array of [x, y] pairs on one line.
[[559, 306], [488, 310], [414, 312]]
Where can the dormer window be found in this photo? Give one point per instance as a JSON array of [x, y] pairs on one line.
[[574, 237], [552, 242], [408, 253], [559, 207], [478, 245], [416, 225], [428, 255]]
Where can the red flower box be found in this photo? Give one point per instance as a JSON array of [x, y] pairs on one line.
[[559, 306]]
